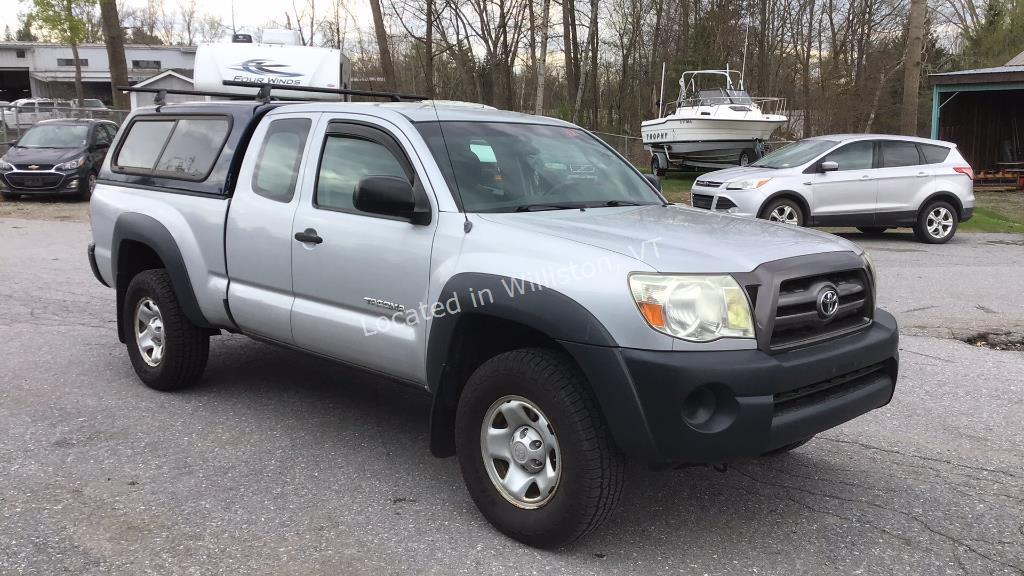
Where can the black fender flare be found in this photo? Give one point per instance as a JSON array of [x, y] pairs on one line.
[[150, 232], [544, 310]]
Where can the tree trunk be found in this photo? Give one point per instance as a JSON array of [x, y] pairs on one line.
[[538, 107], [878, 94], [386, 64], [429, 49], [79, 92], [572, 68], [912, 66], [114, 35], [594, 84]]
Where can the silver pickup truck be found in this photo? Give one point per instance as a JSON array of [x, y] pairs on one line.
[[561, 314]]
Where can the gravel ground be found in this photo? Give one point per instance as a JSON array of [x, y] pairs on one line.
[[283, 464]]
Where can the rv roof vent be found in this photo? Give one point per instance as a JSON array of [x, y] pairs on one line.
[[241, 39]]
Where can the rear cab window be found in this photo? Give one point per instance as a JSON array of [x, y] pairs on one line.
[[180, 148]]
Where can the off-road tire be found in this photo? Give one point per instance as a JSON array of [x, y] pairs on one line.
[[921, 226], [592, 466], [186, 347]]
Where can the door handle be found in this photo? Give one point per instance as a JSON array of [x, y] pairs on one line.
[[865, 177], [920, 174], [309, 236]]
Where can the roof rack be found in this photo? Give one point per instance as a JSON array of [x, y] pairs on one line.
[[263, 94], [161, 93], [265, 88]]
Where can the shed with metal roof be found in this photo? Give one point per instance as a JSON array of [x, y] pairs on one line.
[[982, 111]]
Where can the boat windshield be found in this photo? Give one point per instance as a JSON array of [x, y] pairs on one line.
[[512, 167], [795, 154], [715, 96]]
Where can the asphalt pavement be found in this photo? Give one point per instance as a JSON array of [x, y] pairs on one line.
[[283, 464]]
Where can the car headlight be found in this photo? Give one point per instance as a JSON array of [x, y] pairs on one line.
[[5, 165], [71, 164], [748, 184], [694, 308]]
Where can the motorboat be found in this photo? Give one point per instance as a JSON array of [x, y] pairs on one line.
[[714, 123]]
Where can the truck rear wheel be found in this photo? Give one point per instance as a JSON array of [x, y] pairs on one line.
[[534, 450], [167, 351]]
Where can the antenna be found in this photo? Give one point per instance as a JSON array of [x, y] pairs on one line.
[[467, 224], [743, 66], [661, 97]]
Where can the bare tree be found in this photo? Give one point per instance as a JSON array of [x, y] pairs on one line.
[[384, 52], [538, 107]]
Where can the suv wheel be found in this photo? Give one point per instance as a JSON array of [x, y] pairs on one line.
[[872, 230], [784, 210], [937, 223], [167, 351], [534, 450]]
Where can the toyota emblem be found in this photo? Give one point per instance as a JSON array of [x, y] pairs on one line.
[[828, 303]]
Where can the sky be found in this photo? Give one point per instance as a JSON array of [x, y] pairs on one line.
[[248, 13]]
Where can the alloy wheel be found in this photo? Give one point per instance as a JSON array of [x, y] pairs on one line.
[[784, 214], [939, 222]]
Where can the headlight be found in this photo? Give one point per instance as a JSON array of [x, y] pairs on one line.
[[70, 164], [4, 165], [748, 184], [694, 308]]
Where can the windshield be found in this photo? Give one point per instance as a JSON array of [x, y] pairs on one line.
[[505, 167], [795, 154], [55, 136]]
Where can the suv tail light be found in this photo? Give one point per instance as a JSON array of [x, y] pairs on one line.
[[965, 170]]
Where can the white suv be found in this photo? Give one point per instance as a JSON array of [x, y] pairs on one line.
[[870, 181]]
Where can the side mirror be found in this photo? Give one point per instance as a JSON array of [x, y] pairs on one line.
[[653, 179], [829, 166], [389, 196]]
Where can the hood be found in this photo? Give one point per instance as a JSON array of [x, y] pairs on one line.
[[23, 156], [678, 238], [741, 172]]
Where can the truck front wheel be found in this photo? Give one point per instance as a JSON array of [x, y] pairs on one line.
[[167, 351], [534, 450]]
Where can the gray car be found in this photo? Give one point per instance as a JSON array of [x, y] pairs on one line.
[[870, 181], [560, 314]]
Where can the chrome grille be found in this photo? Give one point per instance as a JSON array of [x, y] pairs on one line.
[[707, 183]]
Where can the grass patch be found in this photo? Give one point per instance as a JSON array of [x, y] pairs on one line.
[[987, 219], [676, 185]]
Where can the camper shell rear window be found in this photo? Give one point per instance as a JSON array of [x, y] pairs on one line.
[[179, 147]]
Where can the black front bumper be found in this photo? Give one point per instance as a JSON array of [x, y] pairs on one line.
[[709, 407]]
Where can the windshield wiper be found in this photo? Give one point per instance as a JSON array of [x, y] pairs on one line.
[[540, 207], [622, 203]]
